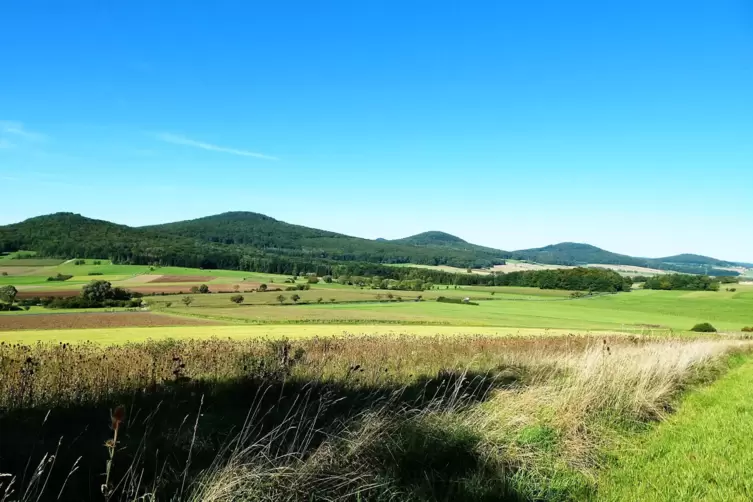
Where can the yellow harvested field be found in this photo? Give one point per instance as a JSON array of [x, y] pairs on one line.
[[123, 335], [629, 269], [521, 266]]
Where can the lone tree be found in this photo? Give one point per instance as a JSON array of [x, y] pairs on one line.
[[295, 298], [281, 298], [262, 288], [8, 294], [237, 299], [236, 287], [203, 289], [187, 300], [97, 291]]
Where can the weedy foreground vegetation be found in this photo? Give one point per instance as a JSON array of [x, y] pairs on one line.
[[350, 418]]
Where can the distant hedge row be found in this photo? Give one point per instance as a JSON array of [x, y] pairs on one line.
[[682, 282]]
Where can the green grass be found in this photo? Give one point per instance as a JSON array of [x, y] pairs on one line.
[[30, 262], [347, 294], [704, 452], [666, 309]]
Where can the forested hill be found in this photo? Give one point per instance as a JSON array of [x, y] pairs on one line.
[[273, 236], [695, 259], [225, 241], [251, 241], [68, 235], [444, 240], [572, 253]]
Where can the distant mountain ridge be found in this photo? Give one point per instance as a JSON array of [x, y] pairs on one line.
[[228, 239]]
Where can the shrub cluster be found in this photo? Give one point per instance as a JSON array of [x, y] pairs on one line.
[[59, 277], [444, 299]]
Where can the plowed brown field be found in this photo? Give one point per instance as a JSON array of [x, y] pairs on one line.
[[95, 320], [146, 289]]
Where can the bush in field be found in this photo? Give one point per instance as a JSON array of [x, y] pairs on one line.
[[187, 300], [748, 329], [8, 294], [59, 277], [295, 298], [703, 327], [281, 299], [327, 279], [203, 289], [194, 290], [237, 299], [262, 288], [460, 301], [5, 274]]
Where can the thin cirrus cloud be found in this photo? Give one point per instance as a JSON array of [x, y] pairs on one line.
[[182, 140], [17, 129]]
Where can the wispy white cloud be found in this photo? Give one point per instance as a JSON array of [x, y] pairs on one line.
[[17, 129], [181, 140]]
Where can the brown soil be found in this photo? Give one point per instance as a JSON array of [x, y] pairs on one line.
[[150, 288], [44, 293], [86, 320], [183, 278]]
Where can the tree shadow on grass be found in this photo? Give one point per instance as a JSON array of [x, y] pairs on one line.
[[178, 430]]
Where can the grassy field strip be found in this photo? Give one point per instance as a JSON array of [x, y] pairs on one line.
[[704, 452], [615, 312], [292, 331]]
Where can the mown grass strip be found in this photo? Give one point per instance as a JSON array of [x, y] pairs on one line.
[[704, 452]]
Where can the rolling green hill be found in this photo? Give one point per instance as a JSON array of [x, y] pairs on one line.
[[695, 259], [252, 241], [572, 253], [231, 240], [69, 235], [274, 236], [438, 239]]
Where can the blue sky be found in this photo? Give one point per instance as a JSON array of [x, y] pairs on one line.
[[628, 125]]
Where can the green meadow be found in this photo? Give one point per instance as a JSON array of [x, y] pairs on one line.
[[636, 311], [703, 452]]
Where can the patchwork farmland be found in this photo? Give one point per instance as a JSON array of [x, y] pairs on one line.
[[473, 369]]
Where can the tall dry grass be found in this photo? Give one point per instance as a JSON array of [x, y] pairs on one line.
[[363, 418], [537, 441]]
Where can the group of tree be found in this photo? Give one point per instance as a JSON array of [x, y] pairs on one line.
[[683, 282], [8, 297], [573, 279], [96, 294]]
